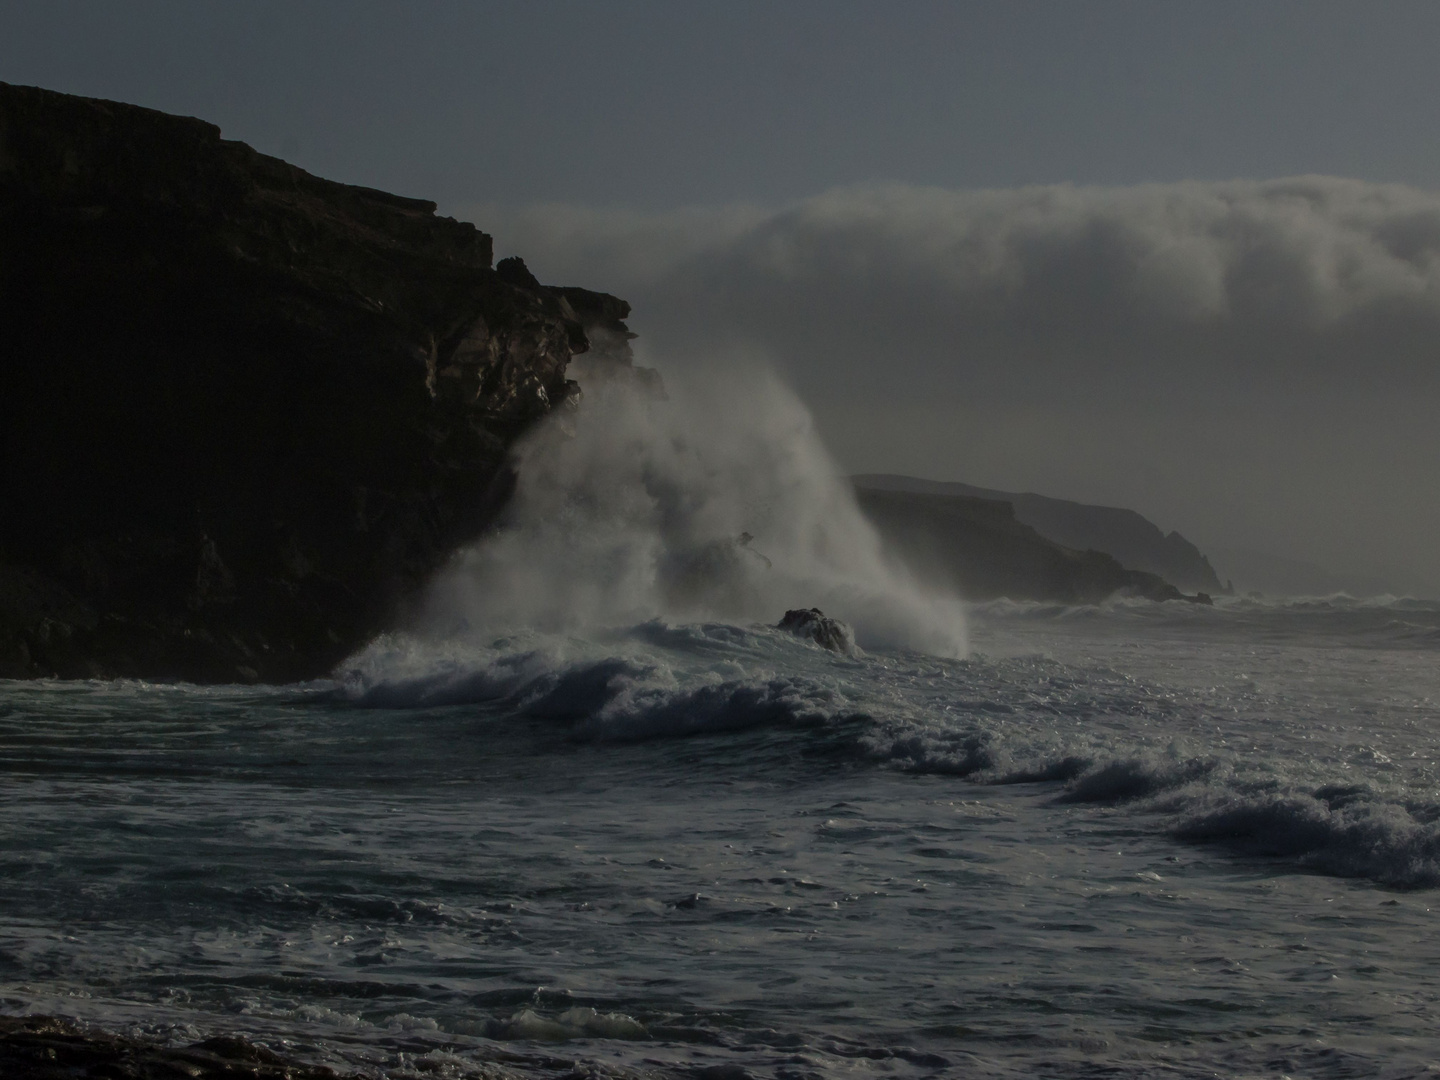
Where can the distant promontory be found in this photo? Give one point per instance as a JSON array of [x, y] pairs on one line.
[[989, 544]]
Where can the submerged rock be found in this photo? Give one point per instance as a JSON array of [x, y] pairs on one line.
[[244, 411], [812, 624]]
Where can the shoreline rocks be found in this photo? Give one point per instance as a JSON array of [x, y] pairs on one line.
[[48, 1048], [812, 624]]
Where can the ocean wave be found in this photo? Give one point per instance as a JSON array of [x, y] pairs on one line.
[[962, 754], [1344, 830], [401, 680], [1250, 807], [604, 694], [1340, 830], [1136, 778], [1088, 777], [1086, 736]]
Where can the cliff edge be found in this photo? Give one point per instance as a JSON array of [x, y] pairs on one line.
[[244, 411]]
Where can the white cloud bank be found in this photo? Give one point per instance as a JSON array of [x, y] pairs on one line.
[[1256, 363]]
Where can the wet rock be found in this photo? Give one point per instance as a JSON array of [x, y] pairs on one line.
[[812, 624], [46, 1048]]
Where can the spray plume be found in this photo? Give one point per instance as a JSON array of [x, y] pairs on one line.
[[716, 500]]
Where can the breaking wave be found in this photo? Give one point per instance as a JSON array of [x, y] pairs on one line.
[[622, 689], [1246, 808], [1345, 831], [1080, 737], [715, 501]]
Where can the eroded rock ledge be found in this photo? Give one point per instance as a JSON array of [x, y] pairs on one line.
[[244, 411]]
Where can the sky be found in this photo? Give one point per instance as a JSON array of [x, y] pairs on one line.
[[1178, 257]]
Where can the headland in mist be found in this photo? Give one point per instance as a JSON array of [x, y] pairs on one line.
[[1249, 362]]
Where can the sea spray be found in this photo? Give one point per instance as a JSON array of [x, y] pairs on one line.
[[715, 500]]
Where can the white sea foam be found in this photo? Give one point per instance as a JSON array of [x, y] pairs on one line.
[[716, 501], [1349, 831], [649, 681], [1346, 830], [1087, 736]]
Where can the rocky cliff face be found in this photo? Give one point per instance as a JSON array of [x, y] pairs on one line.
[[244, 411]]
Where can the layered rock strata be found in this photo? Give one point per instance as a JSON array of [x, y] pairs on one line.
[[244, 411]]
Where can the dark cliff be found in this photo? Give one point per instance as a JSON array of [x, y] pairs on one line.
[[1130, 538], [979, 549], [244, 411]]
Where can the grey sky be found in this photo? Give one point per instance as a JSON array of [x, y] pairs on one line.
[[1250, 363], [673, 102]]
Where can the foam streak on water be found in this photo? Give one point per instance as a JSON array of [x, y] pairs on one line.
[[1135, 839]]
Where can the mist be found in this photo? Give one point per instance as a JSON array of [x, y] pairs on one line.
[[714, 499], [1250, 362]]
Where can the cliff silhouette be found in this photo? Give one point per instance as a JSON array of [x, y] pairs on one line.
[[1125, 535], [245, 412], [978, 548]]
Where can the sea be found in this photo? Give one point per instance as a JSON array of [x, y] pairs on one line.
[[596, 818]]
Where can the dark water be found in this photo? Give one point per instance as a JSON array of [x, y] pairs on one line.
[[1134, 840]]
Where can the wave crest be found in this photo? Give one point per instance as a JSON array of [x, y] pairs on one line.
[[598, 698], [1345, 832]]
